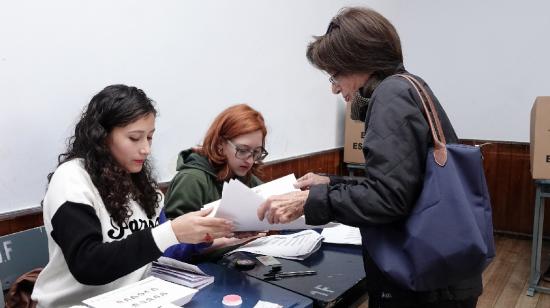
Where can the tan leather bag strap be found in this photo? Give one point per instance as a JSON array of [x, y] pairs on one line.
[[440, 150]]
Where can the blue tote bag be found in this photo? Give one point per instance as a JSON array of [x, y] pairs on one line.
[[448, 236]]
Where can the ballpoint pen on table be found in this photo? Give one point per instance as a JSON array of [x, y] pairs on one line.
[[278, 275]]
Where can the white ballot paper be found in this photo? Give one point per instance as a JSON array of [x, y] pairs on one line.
[[239, 203], [150, 292], [342, 234], [297, 246]]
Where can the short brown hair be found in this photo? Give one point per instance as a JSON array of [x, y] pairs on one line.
[[358, 40], [230, 123]]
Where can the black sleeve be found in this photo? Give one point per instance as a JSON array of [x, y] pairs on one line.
[[335, 179], [77, 231], [395, 149]]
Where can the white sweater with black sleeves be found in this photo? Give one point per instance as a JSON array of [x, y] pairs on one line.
[[89, 253]]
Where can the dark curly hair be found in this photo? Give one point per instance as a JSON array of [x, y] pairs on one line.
[[114, 106]]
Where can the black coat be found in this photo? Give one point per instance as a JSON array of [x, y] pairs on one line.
[[396, 143]]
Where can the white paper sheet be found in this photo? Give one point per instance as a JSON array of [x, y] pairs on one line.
[[239, 203], [266, 304], [342, 234], [150, 292], [296, 246]]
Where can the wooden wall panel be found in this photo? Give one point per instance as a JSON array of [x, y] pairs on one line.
[[511, 187], [20, 223], [506, 169]]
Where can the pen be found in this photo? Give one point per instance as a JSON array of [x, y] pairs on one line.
[[278, 275]]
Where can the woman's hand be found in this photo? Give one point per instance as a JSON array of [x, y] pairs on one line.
[[249, 234], [283, 208], [226, 242], [311, 179], [195, 227]]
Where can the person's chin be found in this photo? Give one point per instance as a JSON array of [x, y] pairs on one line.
[[135, 169], [347, 98], [241, 172]]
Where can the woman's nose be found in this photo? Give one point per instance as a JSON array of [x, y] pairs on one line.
[[250, 158], [335, 89], [146, 149]]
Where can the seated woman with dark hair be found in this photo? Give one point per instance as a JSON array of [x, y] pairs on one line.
[[102, 206]]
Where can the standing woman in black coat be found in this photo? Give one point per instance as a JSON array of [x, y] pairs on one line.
[[361, 51]]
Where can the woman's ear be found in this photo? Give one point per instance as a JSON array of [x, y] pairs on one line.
[[219, 148]]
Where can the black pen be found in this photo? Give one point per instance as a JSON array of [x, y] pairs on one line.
[[290, 274]]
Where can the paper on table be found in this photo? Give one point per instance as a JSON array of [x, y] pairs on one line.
[[181, 265], [342, 234], [296, 246], [180, 272], [266, 304], [239, 203], [148, 293]]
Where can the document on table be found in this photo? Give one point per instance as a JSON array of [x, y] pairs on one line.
[[150, 292], [297, 246], [180, 272], [342, 234], [239, 203]]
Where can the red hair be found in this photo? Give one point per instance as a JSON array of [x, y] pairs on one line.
[[232, 122]]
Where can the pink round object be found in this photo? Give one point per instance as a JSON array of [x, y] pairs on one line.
[[232, 300]]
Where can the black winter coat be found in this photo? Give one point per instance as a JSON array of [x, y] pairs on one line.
[[396, 143]]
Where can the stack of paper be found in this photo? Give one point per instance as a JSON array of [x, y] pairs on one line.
[[296, 246], [240, 203], [342, 234], [150, 292], [181, 273]]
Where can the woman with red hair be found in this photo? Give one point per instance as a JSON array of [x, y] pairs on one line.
[[233, 148]]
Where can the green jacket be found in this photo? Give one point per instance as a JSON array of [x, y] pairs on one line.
[[195, 185]]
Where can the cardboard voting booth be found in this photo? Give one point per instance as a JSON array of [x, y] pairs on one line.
[[353, 139], [540, 138]]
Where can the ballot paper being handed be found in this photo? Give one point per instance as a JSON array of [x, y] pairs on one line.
[[297, 246], [240, 203]]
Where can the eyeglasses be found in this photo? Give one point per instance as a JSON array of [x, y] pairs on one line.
[[243, 152], [333, 79]]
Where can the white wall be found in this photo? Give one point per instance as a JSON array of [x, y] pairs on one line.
[[486, 61]]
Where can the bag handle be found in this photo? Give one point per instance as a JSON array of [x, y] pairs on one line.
[[440, 150]]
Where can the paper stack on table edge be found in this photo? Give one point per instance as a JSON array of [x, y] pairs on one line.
[[342, 234], [295, 246], [150, 292], [180, 272]]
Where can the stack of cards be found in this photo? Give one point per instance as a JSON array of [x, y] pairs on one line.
[[180, 273]]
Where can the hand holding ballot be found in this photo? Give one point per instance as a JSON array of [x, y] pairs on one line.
[[311, 179], [282, 209], [241, 205], [191, 227]]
